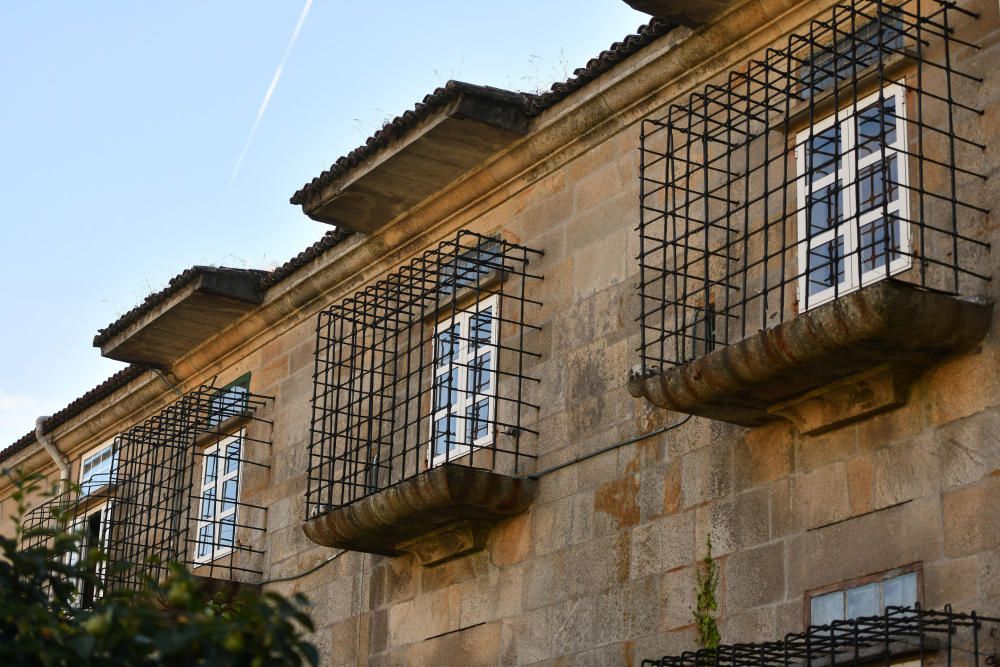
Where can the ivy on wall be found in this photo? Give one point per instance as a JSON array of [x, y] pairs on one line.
[[706, 584]]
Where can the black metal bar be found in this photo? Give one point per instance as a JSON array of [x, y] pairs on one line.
[[899, 631], [152, 502], [874, 191], [419, 380]]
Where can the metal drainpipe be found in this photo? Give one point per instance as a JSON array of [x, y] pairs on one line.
[[60, 459]]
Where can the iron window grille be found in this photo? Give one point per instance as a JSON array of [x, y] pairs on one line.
[[429, 365], [901, 636], [844, 157], [149, 514]]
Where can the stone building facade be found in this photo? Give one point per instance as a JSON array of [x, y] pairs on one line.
[[830, 451]]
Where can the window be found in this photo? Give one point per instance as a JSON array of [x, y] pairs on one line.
[[869, 597], [220, 480], [847, 57], [97, 468], [852, 198], [464, 397], [92, 528], [231, 400]]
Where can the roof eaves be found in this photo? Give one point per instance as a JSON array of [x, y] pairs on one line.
[[117, 381], [399, 127], [605, 61], [176, 284], [533, 105], [329, 240]]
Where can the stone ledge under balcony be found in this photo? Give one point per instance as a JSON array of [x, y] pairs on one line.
[[835, 363], [440, 514]]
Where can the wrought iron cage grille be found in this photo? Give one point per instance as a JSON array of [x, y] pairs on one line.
[[427, 366], [901, 636], [844, 157], [153, 508]]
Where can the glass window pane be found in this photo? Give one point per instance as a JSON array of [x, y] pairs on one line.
[[478, 420], [840, 60], [823, 272], [227, 531], [232, 457], [208, 504], [900, 591], [211, 467], [228, 495], [96, 470], [446, 391], [877, 241], [877, 185], [206, 536], [446, 344], [825, 609], [482, 326], [822, 150], [480, 377], [228, 402], [863, 601], [824, 209], [872, 122], [444, 435]]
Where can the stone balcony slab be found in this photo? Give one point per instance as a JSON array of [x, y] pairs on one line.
[[439, 514], [838, 362]]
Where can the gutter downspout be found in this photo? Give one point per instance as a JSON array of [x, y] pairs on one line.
[[60, 459]]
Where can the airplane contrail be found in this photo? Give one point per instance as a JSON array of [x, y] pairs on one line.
[[269, 93]]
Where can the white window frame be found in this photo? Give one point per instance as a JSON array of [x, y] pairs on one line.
[[86, 488], [845, 170], [462, 362], [218, 513]]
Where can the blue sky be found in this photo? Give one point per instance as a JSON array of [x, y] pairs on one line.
[[122, 123]]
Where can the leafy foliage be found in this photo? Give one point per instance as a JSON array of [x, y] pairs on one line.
[[167, 622], [707, 582]]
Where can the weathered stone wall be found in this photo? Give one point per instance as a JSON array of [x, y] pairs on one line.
[[600, 569]]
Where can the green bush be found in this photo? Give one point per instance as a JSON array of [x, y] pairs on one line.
[[167, 622]]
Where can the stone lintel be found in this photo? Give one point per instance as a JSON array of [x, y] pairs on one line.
[[782, 372], [684, 12], [437, 515]]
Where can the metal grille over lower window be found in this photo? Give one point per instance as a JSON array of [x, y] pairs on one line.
[[902, 636], [181, 491], [430, 365], [845, 157]]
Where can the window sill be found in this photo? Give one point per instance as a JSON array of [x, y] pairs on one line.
[[833, 364], [442, 513]]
